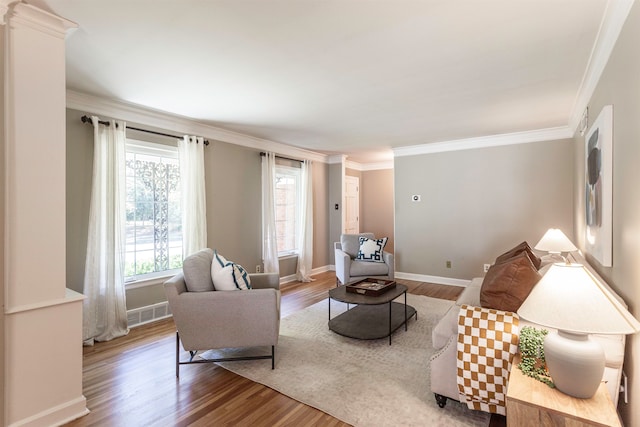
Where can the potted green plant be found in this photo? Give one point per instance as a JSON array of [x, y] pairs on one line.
[[532, 362]]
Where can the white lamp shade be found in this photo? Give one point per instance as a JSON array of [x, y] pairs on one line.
[[555, 241], [568, 298]]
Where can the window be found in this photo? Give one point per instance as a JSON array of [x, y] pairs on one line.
[[287, 209], [153, 215]]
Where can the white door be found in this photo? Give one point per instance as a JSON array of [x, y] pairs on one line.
[[351, 204]]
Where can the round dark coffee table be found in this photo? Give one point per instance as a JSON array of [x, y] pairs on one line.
[[374, 317]]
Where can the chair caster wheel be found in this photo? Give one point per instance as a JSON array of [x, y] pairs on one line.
[[441, 400]]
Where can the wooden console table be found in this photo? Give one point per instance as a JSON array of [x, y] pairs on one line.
[[532, 403]]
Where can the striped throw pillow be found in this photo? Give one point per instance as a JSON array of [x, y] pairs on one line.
[[227, 275]]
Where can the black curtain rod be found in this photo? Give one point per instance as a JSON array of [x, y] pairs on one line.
[[262, 154], [87, 119]]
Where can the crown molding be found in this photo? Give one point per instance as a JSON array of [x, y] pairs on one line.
[[337, 158], [5, 5], [363, 167], [27, 15], [350, 164], [387, 164], [539, 135], [353, 165], [610, 27], [180, 124]]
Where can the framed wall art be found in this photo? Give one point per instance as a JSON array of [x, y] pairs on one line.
[[599, 187]]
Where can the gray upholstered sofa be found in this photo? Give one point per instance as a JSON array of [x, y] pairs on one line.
[[445, 333], [211, 319], [349, 269]]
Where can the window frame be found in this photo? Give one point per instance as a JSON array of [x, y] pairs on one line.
[[295, 172], [151, 149]]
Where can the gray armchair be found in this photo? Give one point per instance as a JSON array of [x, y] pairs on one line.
[[223, 319], [348, 269]]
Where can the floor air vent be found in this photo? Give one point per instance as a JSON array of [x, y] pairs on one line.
[[150, 313]]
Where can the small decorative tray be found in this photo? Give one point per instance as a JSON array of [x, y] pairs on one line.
[[371, 287]]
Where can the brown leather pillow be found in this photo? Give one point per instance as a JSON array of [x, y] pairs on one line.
[[508, 283], [522, 247]]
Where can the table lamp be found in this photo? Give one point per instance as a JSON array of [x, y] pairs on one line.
[[569, 299], [555, 242]]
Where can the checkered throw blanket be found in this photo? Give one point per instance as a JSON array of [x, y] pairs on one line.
[[487, 342]]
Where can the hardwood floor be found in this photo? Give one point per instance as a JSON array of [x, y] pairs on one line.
[[131, 381]]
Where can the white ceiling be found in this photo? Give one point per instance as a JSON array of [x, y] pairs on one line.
[[357, 77]]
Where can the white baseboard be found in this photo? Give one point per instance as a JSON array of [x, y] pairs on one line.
[[322, 269], [432, 279], [56, 416], [423, 278], [288, 279], [317, 270], [151, 313]]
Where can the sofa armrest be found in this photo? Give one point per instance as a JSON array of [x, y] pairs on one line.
[[444, 371], [470, 295], [343, 265], [175, 285], [446, 327], [389, 260]]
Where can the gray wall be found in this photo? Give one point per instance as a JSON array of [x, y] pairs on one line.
[[79, 170], [321, 242], [619, 86], [335, 178], [232, 174], [478, 203], [376, 201]]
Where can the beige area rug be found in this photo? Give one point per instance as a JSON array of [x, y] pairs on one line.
[[363, 383]]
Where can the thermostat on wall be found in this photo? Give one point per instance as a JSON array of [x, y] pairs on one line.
[[415, 198]]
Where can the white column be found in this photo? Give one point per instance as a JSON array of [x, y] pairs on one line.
[[42, 318]]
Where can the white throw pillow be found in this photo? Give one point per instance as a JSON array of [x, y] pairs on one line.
[[217, 263], [231, 277], [371, 249]]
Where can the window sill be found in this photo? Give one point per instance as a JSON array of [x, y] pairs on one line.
[[152, 281]]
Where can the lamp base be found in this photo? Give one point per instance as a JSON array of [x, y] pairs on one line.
[[575, 363]]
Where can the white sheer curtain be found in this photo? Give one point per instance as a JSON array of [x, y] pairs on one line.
[[194, 206], [269, 242], [104, 310], [305, 233]]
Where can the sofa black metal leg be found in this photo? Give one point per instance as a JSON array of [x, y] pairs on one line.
[[177, 355], [441, 400], [193, 353]]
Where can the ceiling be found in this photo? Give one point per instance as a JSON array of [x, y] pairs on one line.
[[356, 77]]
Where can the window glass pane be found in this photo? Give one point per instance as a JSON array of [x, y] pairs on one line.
[[287, 209], [144, 261], [129, 263], [154, 219]]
